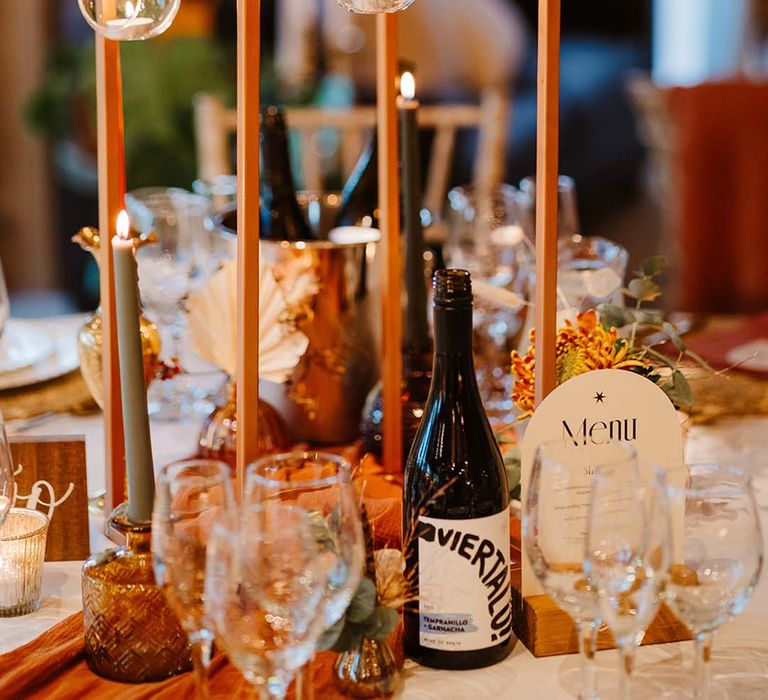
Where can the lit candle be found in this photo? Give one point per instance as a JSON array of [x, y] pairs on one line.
[[131, 26], [415, 328], [138, 446]]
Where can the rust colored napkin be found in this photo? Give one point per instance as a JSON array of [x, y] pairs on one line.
[[721, 134], [53, 667]]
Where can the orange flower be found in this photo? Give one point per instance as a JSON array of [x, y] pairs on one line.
[[578, 349]]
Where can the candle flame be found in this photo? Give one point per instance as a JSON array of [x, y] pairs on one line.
[[123, 226], [408, 85]]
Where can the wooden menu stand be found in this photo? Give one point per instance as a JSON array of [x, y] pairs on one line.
[[547, 631], [537, 620]]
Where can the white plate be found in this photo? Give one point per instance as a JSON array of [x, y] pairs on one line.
[[23, 344], [61, 361]]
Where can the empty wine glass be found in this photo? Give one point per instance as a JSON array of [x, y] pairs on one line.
[[322, 484], [554, 530], [7, 470], [169, 269], [266, 579], [189, 495], [628, 554], [717, 552], [486, 237]]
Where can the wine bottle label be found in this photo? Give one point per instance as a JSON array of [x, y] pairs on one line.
[[464, 583]]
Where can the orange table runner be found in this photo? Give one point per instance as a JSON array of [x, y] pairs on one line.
[[53, 667]]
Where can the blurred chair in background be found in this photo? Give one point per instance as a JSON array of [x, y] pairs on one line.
[[215, 124]]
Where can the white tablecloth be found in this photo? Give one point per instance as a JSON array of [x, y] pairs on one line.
[[740, 661]]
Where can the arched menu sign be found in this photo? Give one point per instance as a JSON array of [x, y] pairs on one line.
[[609, 405]]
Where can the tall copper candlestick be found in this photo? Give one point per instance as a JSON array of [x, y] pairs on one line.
[[248, 41], [546, 195], [389, 203], [109, 118]]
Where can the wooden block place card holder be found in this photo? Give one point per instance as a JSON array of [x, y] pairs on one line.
[[51, 478]]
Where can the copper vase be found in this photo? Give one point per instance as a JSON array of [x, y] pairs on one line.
[[369, 671], [131, 635]]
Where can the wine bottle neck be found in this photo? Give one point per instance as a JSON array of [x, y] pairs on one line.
[[453, 334]]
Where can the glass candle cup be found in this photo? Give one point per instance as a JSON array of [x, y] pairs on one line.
[[22, 551]]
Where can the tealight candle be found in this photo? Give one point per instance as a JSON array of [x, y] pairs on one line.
[[22, 551], [130, 27]]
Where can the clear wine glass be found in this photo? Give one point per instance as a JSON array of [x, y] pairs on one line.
[[322, 484], [7, 480], [486, 237], [189, 495], [554, 530], [168, 270], [717, 553], [266, 579], [628, 555]]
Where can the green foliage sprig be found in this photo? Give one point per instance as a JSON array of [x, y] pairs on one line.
[[643, 288]]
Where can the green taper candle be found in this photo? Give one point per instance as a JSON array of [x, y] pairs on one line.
[[415, 326], [138, 445]]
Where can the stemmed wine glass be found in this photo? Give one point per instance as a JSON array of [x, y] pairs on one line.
[[168, 270], [554, 530], [628, 554], [190, 494], [717, 552], [322, 484], [266, 579], [6, 473]]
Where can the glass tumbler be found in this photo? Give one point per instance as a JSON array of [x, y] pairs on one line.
[[22, 552]]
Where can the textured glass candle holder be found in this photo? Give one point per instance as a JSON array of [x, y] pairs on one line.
[[22, 552], [371, 7], [131, 635]]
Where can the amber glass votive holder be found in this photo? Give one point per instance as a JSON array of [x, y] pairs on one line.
[[131, 635], [22, 552]]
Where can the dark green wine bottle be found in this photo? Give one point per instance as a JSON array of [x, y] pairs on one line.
[[359, 205], [282, 218], [456, 506]]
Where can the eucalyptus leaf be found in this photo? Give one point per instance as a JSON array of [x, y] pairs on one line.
[[329, 638], [613, 316], [349, 639], [363, 603], [671, 332], [680, 391], [512, 460], [381, 623], [653, 266], [649, 318], [643, 289]]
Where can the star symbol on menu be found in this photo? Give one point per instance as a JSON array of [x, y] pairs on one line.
[[599, 397]]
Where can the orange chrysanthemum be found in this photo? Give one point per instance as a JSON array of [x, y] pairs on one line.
[[581, 348]]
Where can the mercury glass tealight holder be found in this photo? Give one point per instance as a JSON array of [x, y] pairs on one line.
[[129, 20], [373, 7], [22, 552], [131, 635]]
